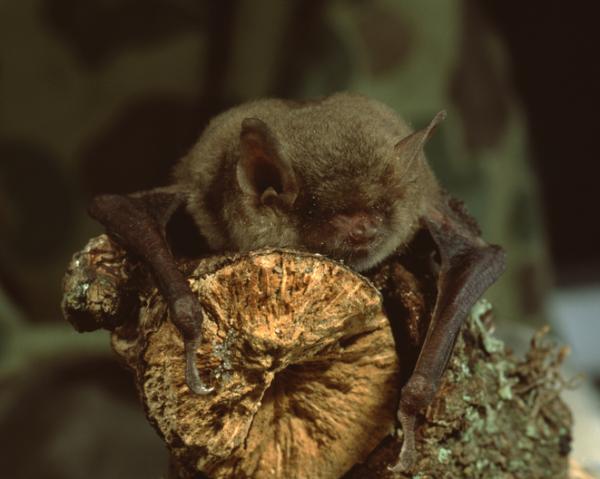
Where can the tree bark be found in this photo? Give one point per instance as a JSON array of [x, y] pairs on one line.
[[307, 373]]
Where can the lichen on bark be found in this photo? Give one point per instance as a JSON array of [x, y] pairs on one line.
[[494, 416]]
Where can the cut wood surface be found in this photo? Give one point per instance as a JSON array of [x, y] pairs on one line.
[[303, 363]]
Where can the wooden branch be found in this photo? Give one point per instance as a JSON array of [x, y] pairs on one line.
[[307, 374]]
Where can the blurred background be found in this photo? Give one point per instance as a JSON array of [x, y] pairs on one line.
[[105, 96]]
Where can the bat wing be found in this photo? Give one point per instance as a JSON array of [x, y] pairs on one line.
[[468, 266], [148, 209]]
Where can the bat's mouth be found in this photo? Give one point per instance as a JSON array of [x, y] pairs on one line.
[[360, 249], [351, 250], [352, 238], [360, 242], [359, 256]]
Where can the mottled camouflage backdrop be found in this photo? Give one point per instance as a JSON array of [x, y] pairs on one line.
[[105, 95]]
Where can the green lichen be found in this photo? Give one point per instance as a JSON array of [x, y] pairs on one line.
[[444, 455], [495, 415]]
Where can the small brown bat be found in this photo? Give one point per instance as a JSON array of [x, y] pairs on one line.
[[344, 176]]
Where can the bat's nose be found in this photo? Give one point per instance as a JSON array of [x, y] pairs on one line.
[[363, 231], [360, 228]]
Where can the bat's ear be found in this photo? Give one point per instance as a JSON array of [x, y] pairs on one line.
[[414, 143], [261, 170]]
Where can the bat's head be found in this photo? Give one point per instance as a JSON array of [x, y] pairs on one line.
[[348, 180]]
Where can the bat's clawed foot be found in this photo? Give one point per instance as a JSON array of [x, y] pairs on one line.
[[192, 377]]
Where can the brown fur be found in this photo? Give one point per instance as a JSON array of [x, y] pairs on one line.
[[346, 157]]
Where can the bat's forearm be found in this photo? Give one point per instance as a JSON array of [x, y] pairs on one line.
[[130, 221], [138, 223], [468, 266]]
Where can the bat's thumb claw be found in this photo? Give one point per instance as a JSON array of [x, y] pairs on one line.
[[406, 459], [192, 377], [200, 389]]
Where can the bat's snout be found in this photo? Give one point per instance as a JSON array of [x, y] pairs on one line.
[[358, 229]]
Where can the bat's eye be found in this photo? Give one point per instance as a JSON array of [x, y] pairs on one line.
[[381, 207]]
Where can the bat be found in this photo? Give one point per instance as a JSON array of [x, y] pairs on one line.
[[344, 176]]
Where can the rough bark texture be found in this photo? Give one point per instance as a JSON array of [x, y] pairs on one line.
[[307, 374]]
